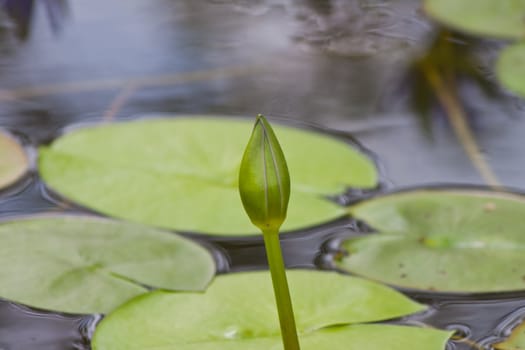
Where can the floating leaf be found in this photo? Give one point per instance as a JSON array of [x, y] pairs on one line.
[[182, 173], [516, 341], [500, 19], [456, 241], [510, 68], [87, 265], [238, 311], [13, 160]]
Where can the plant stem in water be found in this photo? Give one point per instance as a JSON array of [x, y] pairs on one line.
[[449, 101], [281, 290]]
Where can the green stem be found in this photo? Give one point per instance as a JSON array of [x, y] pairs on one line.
[[281, 291]]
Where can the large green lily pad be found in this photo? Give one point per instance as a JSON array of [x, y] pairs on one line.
[[182, 173], [516, 341], [510, 68], [87, 265], [238, 311], [453, 241], [495, 18], [13, 160]]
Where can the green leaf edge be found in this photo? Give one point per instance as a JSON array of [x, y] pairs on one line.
[[328, 327], [513, 82], [516, 335], [482, 192], [213, 264], [427, 8], [337, 211], [21, 167]]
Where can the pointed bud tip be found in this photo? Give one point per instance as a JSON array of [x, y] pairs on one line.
[[260, 119]]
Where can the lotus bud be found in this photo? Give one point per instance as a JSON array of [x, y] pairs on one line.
[[264, 181]]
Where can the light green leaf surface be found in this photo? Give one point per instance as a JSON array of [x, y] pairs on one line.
[[495, 18], [516, 340], [510, 68], [238, 311], [463, 241], [88, 265], [182, 173], [13, 160]]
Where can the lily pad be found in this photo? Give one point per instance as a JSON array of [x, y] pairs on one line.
[[452, 241], [13, 161], [238, 311], [182, 173], [510, 68], [516, 341], [88, 265], [499, 19]]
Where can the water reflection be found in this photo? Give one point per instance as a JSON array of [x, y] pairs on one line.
[[456, 61], [23, 328], [350, 28], [22, 13]]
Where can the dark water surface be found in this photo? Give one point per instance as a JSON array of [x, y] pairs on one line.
[[341, 64]]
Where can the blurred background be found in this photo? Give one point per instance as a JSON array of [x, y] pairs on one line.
[[371, 68]]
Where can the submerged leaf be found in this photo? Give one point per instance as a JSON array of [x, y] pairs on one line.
[[445, 240], [13, 161], [182, 173], [264, 181], [500, 18], [89, 265], [227, 316]]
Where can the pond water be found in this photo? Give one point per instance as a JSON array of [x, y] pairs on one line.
[[341, 64]]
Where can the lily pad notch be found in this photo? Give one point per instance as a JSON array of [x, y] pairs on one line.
[[82, 264], [446, 240]]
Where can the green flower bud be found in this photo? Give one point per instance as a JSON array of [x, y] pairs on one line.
[[264, 182]]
